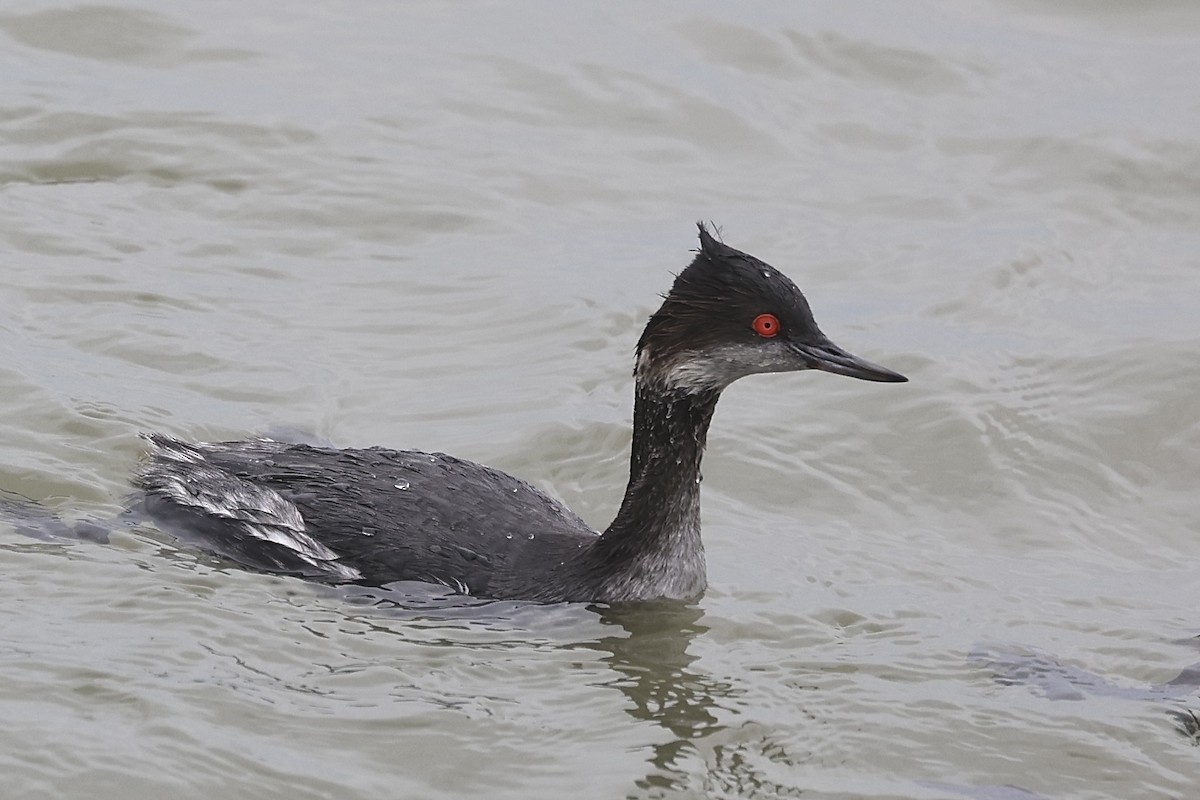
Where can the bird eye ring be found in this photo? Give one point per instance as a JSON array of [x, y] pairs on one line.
[[766, 325]]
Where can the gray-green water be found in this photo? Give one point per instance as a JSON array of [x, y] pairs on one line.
[[441, 225]]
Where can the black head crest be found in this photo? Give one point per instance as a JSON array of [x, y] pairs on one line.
[[715, 300], [709, 244]]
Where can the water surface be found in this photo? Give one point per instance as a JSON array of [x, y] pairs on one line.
[[442, 225]]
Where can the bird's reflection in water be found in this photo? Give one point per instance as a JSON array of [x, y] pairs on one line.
[[649, 651]]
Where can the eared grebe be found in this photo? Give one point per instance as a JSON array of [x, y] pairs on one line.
[[375, 516]]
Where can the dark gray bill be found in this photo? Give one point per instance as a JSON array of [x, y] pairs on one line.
[[827, 356]]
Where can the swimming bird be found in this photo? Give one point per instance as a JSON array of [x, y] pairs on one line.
[[375, 516]]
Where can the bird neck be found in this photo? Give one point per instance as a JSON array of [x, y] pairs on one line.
[[653, 548]]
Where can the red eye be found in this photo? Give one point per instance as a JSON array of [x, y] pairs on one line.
[[766, 325]]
